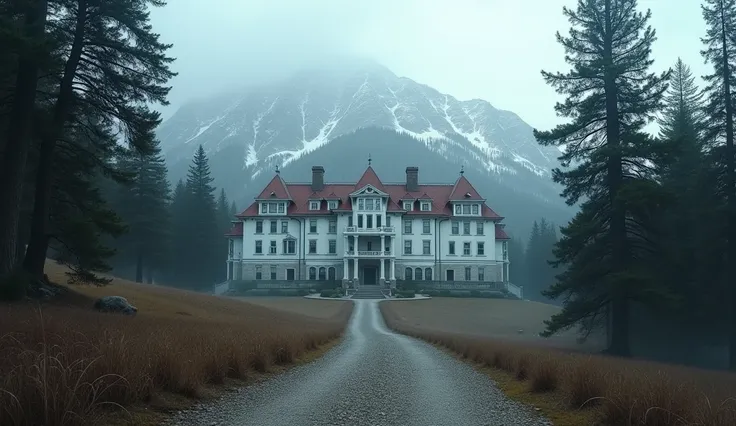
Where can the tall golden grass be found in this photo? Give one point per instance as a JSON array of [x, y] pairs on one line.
[[65, 364], [622, 391]]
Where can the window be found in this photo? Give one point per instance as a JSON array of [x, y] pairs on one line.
[[281, 207], [273, 272], [428, 274], [388, 245], [350, 220], [467, 273], [466, 228], [360, 221], [259, 227], [284, 227], [388, 220], [369, 204], [458, 209], [273, 207], [418, 274], [379, 204], [476, 209], [425, 247], [290, 274], [332, 204], [481, 249], [450, 275], [407, 226], [425, 226], [259, 274], [264, 208], [466, 249], [451, 249], [259, 246], [481, 273], [407, 247], [333, 247], [378, 221], [314, 205], [272, 247], [455, 227], [407, 274], [322, 273], [312, 226], [369, 221], [361, 204], [426, 206], [231, 247], [479, 228], [274, 226], [333, 227], [505, 250], [331, 274], [312, 246], [312, 273], [369, 246], [407, 205], [289, 247]]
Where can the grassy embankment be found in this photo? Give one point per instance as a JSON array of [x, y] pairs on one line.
[[570, 387], [62, 363]]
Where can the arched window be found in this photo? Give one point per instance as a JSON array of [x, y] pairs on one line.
[[331, 273], [312, 273], [418, 274], [322, 273], [407, 274], [428, 274]]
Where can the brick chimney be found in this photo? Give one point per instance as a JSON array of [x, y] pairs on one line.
[[412, 179], [318, 178]]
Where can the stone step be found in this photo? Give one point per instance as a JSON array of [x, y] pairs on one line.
[[368, 293]]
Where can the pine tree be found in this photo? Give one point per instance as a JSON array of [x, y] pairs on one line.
[[720, 51], [517, 264], [225, 223], [114, 65], [177, 270], [611, 96], [32, 51], [144, 206]]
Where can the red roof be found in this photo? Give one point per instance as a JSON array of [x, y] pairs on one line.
[[236, 230], [370, 178], [463, 190], [500, 233], [275, 190], [438, 195]]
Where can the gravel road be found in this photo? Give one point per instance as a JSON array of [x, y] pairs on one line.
[[373, 377]]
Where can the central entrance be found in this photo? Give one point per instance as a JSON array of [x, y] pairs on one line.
[[370, 275]]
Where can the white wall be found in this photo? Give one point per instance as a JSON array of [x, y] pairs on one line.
[[488, 238]]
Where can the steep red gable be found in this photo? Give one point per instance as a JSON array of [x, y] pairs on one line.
[[275, 190], [463, 190], [500, 233], [370, 178], [236, 230]]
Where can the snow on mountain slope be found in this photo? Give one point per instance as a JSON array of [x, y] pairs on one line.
[[278, 124]]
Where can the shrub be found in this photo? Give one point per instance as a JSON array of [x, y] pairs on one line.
[[475, 293]]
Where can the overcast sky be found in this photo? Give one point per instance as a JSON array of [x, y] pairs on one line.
[[488, 49]]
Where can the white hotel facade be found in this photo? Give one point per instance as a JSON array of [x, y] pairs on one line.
[[368, 233]]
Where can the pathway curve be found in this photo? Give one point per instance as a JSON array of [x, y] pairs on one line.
[[373, 377]]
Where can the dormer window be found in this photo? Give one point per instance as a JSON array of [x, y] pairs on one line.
[[332, 204], [426, 206], [408, 205], [314, 205], [467, 209], [273, 207]]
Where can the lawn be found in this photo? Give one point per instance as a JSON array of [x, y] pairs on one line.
[[63, 363], [571, 387]]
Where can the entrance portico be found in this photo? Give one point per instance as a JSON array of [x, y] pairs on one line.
[[369, 271]]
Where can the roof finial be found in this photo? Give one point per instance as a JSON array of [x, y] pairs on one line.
[[277, 169], [462, 170], [369, 159]]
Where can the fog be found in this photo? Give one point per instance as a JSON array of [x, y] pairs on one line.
[[488, 49]]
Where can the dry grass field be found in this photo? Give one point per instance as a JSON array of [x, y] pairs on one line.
[[62, 363], [570, 387], [313, 308]]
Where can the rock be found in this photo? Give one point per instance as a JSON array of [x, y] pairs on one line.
[[115, 304]]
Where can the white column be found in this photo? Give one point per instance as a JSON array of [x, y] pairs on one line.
[[355, 268], [383, 244], [227, 266], [393, 270], [383, 269], [355, 244], [346, 245], [345, 267]]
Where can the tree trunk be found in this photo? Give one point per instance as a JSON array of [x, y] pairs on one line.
[[39, 240], [15, 154], [730, 194], [617, 225]]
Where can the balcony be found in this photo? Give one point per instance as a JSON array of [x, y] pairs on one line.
[[380, 230], [369, 253]]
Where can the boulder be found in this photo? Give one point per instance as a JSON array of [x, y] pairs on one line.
[[115, 304]]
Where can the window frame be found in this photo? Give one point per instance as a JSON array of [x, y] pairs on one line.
[[408, 245], [272, 248], [426, 204], [312, 243], [314, 205], [258, 249], [426, 226], [426, 247]]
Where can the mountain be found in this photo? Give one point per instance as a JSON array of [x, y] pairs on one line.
[[248, 134]]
